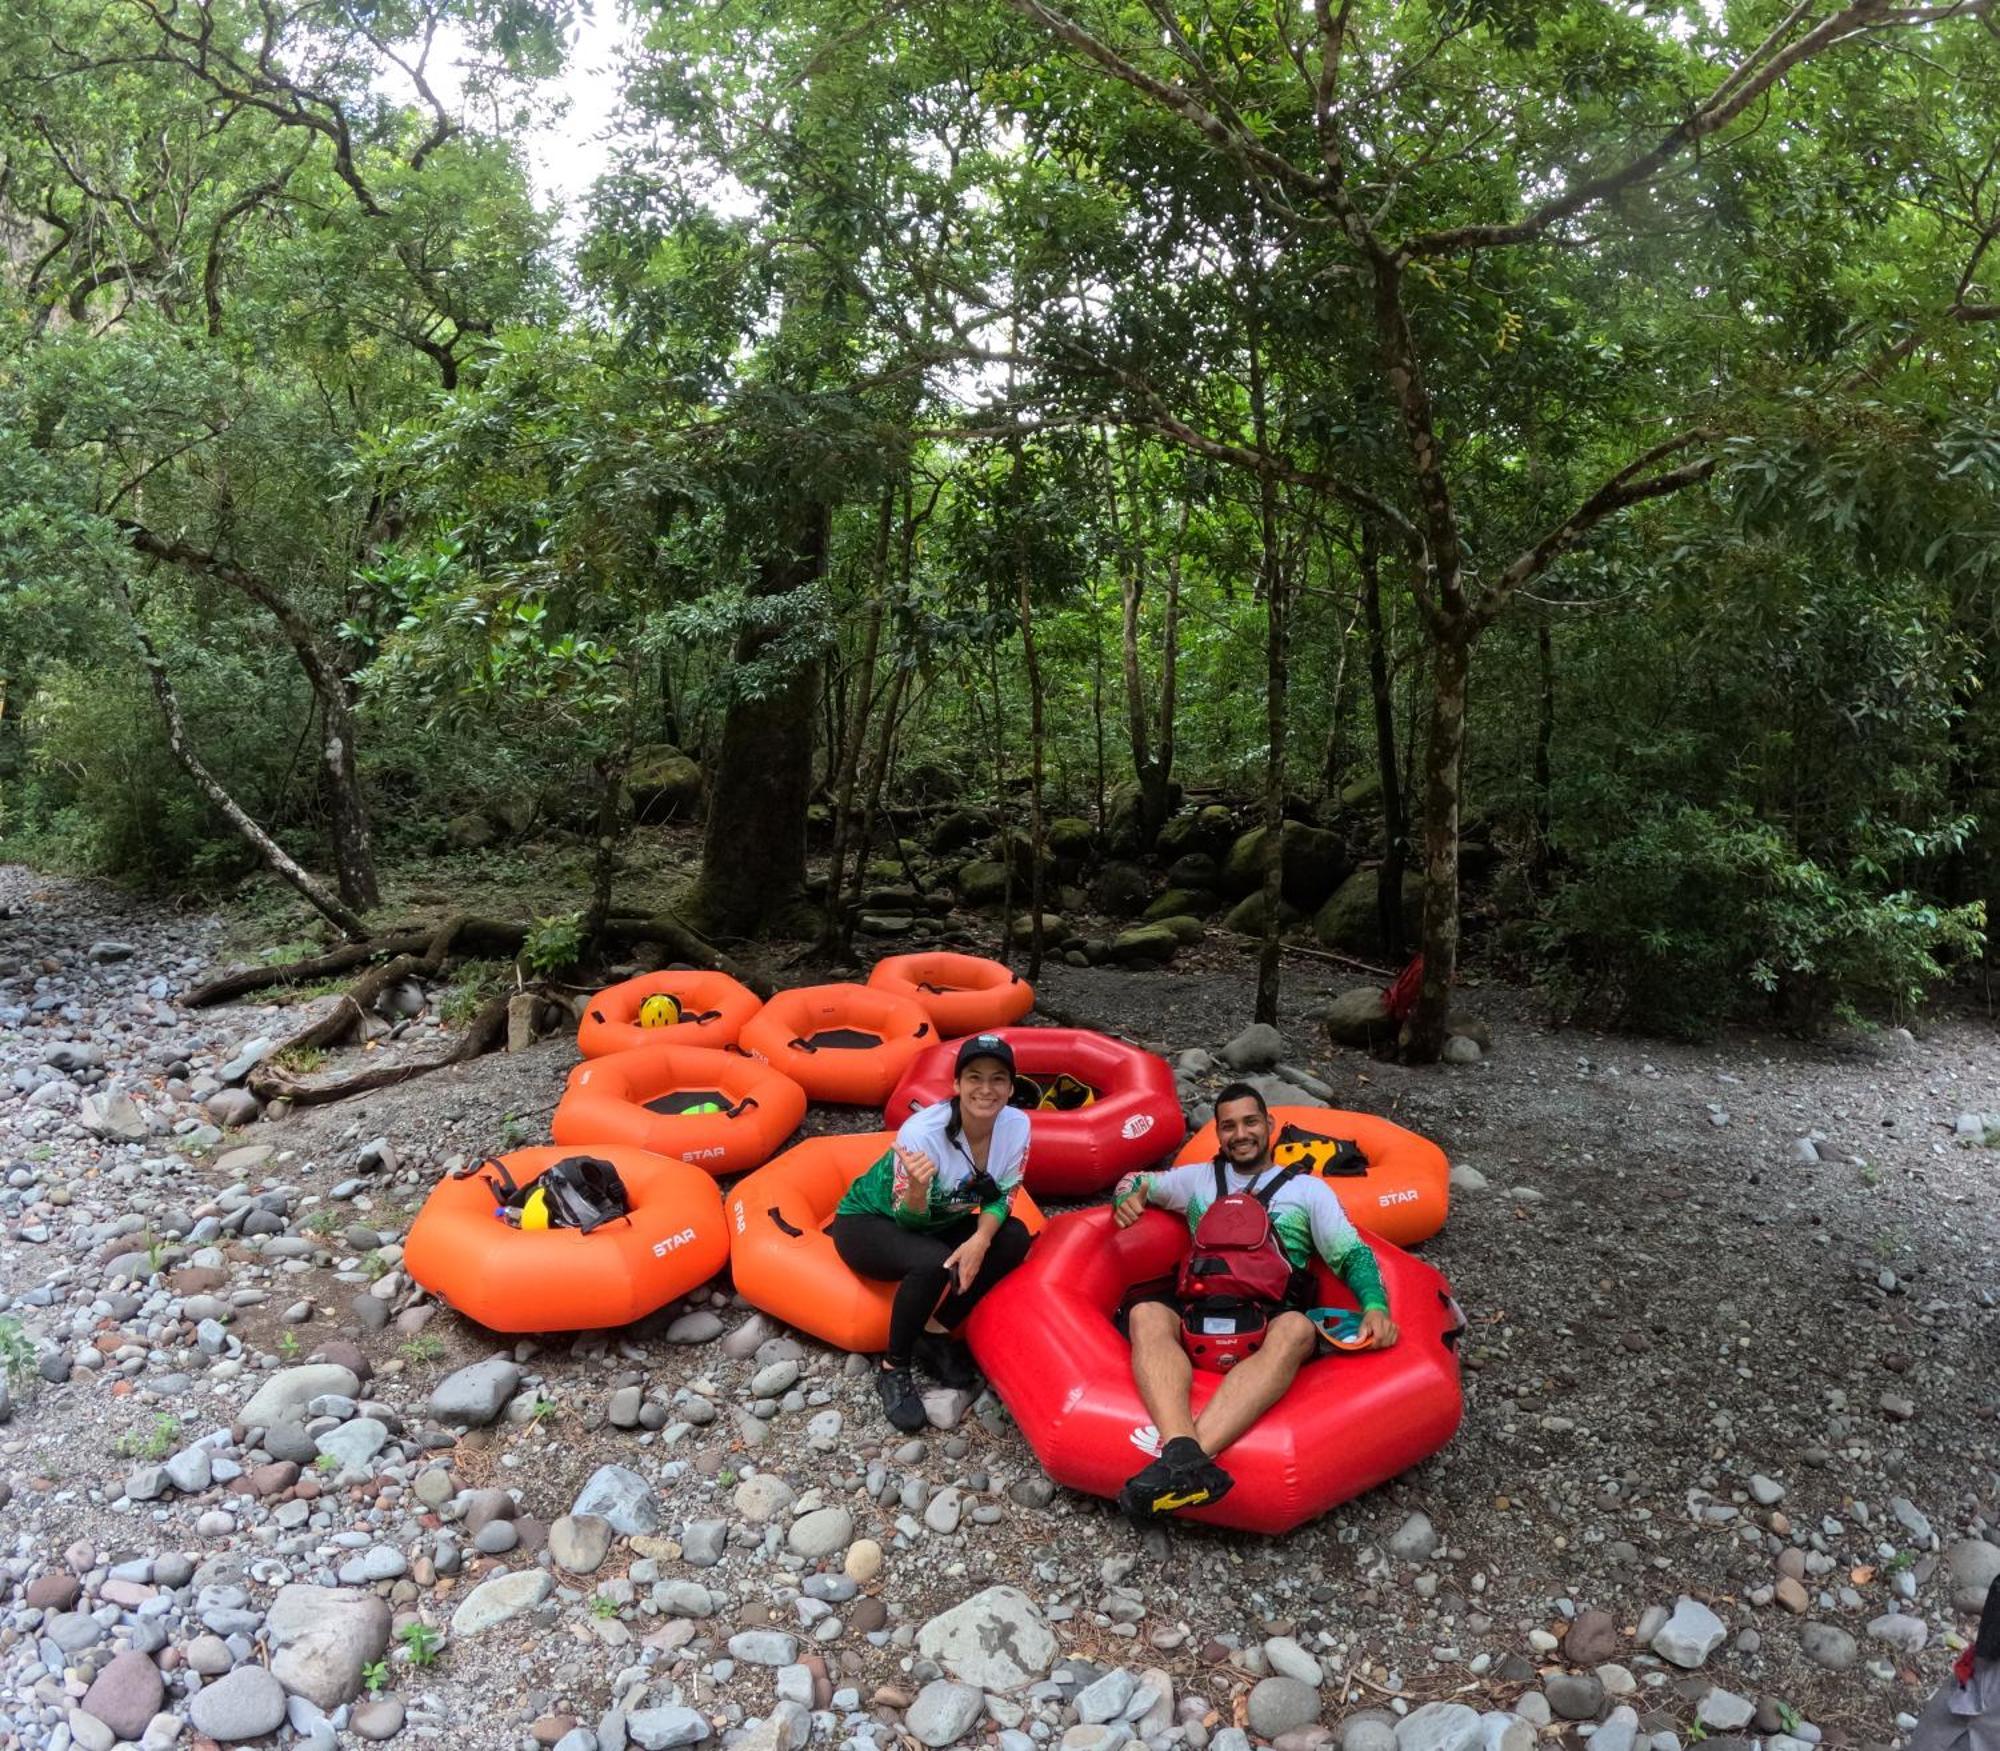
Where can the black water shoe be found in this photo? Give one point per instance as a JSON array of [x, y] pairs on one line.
[[898, 1393], [945, 1361]]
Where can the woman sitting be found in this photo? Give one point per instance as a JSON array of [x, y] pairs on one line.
[[934, 1216]]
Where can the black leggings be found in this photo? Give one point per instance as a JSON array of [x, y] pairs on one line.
[[881, 1247]]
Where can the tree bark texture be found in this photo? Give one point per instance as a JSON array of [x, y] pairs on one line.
[[753, 857], [1451, 661]]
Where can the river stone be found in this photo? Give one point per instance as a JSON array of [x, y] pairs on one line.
[[1439, 1726], [1828, 1645], [1974, 1565], [1105, 1699], [1906, 1634], [284, 1397], [622, 1498], [1279, 1705], [764, 1647], [323, 1637], [1723, 1711], [996, 1640], [1574, 1696], [662, 1729], [1592, 1639], [759, 1498], [473, 1397], [126, 1694], [1370, 1730], [580, 1542], [943, 1713], [379, 1719], [1690, 1635], [245, 1704], [504, 1596], [1415, 1541], [354, 1444], [822, 1533]]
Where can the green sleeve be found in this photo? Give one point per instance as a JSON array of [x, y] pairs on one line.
[[1356, 1268], [1001, 1208]]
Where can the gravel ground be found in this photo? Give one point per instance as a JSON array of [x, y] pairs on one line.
[[1669, 1301]]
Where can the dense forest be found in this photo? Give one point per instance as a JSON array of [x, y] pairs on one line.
[[1478, 476]]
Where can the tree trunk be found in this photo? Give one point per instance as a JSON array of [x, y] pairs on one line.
[[848, 755], [1276, 653], [613, 817], [353, 850], [1545, 736], [753, 854], [1395, 825], [878, 773], [1170, 662], [330, 906], [1032, 663], [1451, 660]]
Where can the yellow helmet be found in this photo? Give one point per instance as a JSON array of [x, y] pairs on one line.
[[659, 1010]]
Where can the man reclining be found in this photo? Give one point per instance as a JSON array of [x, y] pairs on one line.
[[1305, 1219]]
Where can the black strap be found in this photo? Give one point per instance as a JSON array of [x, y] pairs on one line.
[[926, 985], [799, 1043], [740, 1108], [1285, 1177], [504, 1187], [597, 1015], [701, 1020], [1221, 1178], [776, 1217], [921, 1031]]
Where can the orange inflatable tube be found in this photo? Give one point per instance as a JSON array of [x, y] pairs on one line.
[[962, 994], [713, 1009], [848, 1044], [558, 1279], [779, 1253], [1402, 1193], [720, 1110]]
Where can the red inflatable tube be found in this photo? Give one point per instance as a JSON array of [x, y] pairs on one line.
[[845, 1044], [1404, 1194], [640, 1099], [713, 1006], [1134, 1121], [1046, 1340], [557, 1279], [962, 994]]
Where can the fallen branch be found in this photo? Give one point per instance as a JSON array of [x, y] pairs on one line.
[[424, 954], [481, 1035], [485, 936]]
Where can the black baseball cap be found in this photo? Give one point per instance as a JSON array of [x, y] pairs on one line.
[[984, 1046]]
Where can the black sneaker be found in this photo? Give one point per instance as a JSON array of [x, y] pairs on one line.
[[898, 1393], [945, 1362], [1182, 1477]]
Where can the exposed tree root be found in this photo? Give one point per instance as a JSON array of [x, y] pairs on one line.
[[485, 1031]]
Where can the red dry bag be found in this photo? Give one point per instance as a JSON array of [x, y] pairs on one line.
[[1236, 1275]]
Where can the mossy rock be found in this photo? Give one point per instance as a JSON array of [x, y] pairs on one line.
[[469, 832], [1124, 819], [1181, 903], [1350, 923], [1314, 862], [1359, 1018], [513, 815], [1018, 848], [1053, 928], [960, 828], [1208, 829], [1121, 890], [663, 783], [1186, 926], [1145, 945], [1246, 917], [1364, 792], [1194, 869], [1071, 838], [982, 882]]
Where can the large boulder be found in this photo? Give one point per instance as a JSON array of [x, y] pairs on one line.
[[1017, 848], [1246, 917], [1181, 903], [1314, 860], [1359, 1018], [982, 882], [1194, 869], [1146, 945], [1364, 792], [1350, 922], [1208, 830], [1125, 832], [664, 784], [958, 829], [1121, 890], [1071, 838]]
